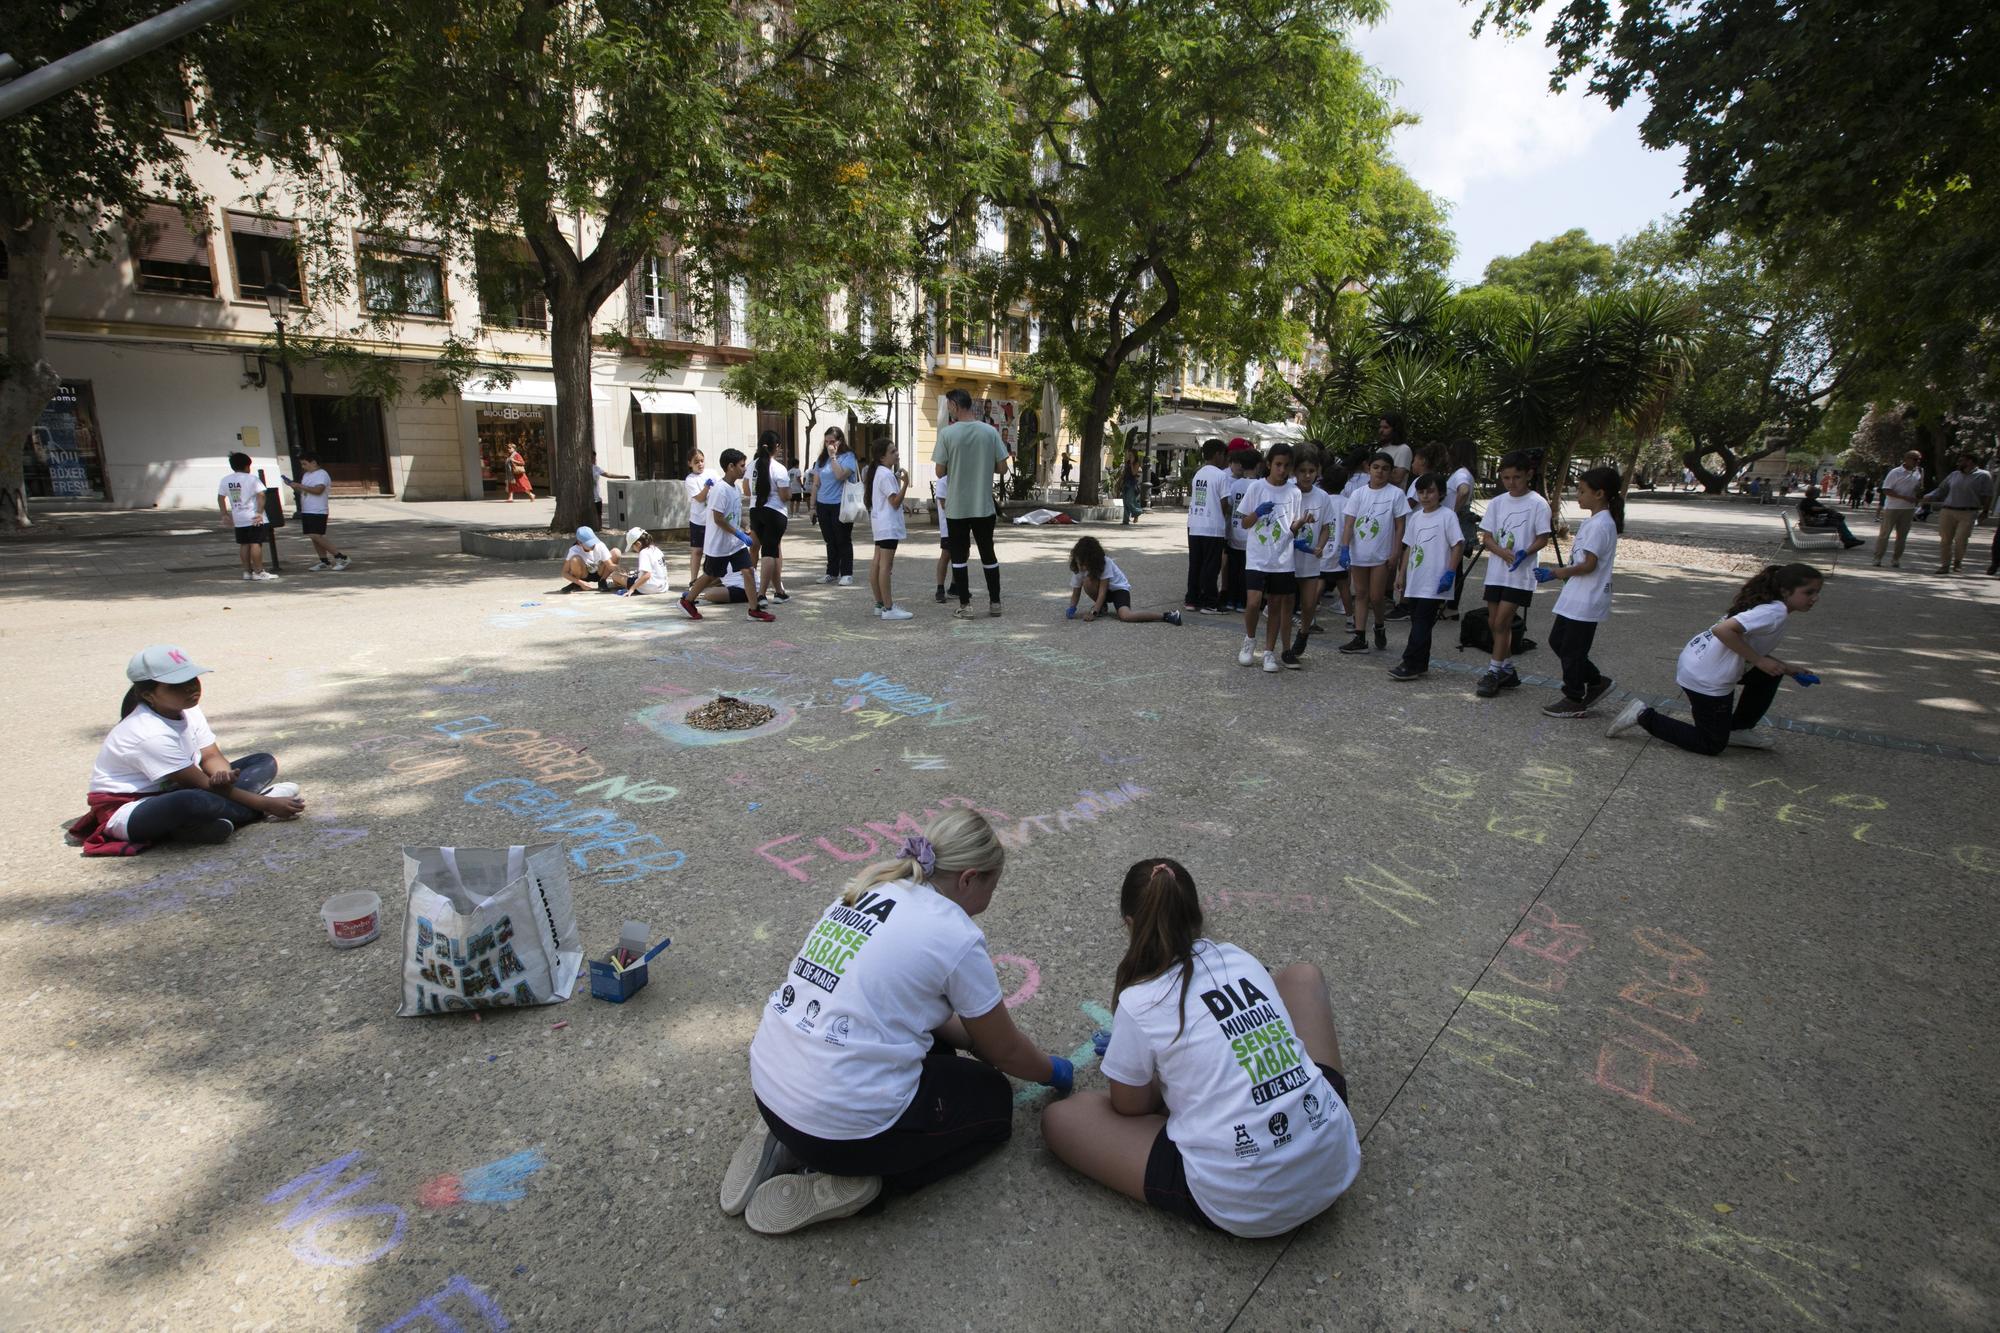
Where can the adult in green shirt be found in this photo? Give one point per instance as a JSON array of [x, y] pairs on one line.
[[970, 453]]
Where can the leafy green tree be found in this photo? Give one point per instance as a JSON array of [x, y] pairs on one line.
[[1560, 269], [1854, 140], [72, 171], [815, 137], [1178, 166]]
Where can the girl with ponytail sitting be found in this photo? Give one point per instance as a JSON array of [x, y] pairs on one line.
[[855, 1066], [1227, 1104]]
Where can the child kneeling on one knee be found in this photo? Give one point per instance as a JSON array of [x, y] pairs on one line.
[[1096, 575]]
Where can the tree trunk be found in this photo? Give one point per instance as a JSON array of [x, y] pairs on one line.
[[30, 381], [1090, 447], [576, 434]]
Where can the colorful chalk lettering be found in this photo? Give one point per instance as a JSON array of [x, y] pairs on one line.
[[433, 1310], [1629, 1060], [903, 699], [316, 1212], [601, 830]]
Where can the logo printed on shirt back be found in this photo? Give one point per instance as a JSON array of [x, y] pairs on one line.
[[1246, 1147], [1259, 1038], [838, 937], [1280, 1126]]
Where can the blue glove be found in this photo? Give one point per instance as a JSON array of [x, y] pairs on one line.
[[1446, 579], [1062, 1075], [1264, 510], [1302, 544], [1343, 557], [1100, 1041], [1543, 574], [1070, 614], [1805, 678], [745, 540], [1519, 556]]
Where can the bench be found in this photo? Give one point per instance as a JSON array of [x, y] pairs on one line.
[[1806, 540]]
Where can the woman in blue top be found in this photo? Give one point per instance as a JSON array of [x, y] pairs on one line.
[[835, 468]]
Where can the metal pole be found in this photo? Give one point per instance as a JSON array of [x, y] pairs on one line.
[[290, 405], [1152, 387], [59, 76]]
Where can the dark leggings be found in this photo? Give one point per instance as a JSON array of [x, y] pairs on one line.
[[1423, 619], [839, 541], [963, 532], [1205, 556], [1571, 640], [964, 1109], [1236, 590], [1716, 715], [187, 815]]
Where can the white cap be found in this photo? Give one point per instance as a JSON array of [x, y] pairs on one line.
[[632, 537], [169, 666]]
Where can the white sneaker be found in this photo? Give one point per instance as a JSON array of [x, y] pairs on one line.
[[318, 565], [828, 578], [1247, 654], [845, 580], [248, 576], [1628, 718], [759, 1157], [1271, 663], [785, 1204], [341, 563], [265, 576], [898, 613], [284, 791], [1753, 739]]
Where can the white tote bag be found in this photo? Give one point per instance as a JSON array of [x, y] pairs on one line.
[[487, 928], [852, 503]]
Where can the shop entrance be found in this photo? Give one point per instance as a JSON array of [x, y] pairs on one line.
[[505, 427], [346, 434]]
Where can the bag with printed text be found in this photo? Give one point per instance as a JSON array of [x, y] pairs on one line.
[[853, 502], [487, 928]]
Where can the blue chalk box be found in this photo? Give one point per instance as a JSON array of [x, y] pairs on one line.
[[610, 982]]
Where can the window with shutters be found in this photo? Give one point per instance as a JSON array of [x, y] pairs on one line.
[[399, 276], [261, 250], [174, 112], [659, 300], [510, 284], [169, 257]]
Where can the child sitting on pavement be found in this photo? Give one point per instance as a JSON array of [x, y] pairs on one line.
[[588, 562]]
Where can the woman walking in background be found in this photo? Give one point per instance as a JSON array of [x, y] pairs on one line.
[[1128, 488]]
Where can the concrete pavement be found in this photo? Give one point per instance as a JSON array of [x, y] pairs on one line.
[[1636, 1039]]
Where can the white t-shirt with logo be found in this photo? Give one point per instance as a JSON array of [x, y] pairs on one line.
[[1336, 519], [1430, 538], [1205, 494], [1375, 510], [886, 519], [844, 1037], [1462, 477], [1266, 1141], [1269, 544], [1112, 575], [1238, 538], [246, 498], [1514, 523], [1322, 509], [726, 502], [653, 564], [310, 503], [142, 751], [1588, 596], [1707, 666], [697, 503], [592, 555], [779, 477]]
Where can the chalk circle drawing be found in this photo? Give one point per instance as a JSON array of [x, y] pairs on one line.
[[668, 721], [1031, 979]]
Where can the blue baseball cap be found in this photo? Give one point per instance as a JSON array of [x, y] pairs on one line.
[[585, 537]]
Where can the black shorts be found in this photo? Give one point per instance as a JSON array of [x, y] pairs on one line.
[[253, 534], [1520, 597], [1166, 1170], [313, 525], [768, 526], [1271, 585], [715, 566], [697, 535], [1119, 599], [737, 595], [889, 545]]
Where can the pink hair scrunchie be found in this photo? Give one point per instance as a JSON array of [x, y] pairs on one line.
[[918, 848]]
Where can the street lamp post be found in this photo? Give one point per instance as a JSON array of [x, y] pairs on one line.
[[277, 300]]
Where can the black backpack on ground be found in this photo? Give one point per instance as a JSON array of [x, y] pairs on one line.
[[1476, 631]]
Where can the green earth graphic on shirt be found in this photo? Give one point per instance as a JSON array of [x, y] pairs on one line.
[[1416, 557], [1367, 529]]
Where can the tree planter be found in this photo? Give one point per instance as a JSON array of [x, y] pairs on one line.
[[513, 543]]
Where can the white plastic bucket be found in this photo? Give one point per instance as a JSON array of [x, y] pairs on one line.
[[352, 919]]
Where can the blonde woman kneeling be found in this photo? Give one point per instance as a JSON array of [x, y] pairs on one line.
[[855, 1066]]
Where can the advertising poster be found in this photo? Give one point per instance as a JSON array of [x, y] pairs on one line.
[[64, 455]]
